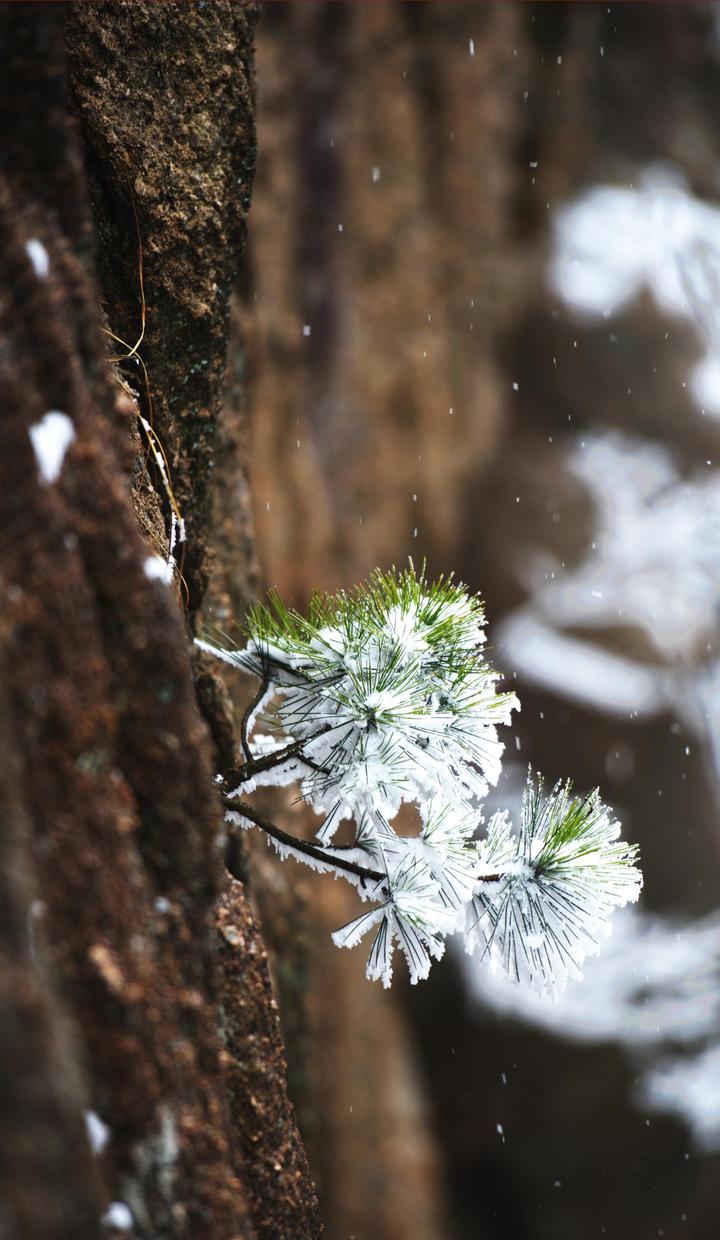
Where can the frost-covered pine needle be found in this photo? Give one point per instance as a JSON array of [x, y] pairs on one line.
[[382, 696], [389, 688], [412, 914], [563, 874]]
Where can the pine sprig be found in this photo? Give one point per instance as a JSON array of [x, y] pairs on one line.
[[381, 695], [564, 873]]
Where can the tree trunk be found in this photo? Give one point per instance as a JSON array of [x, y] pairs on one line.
[[134, 984]]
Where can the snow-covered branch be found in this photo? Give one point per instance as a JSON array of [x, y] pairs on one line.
[[380, 697]]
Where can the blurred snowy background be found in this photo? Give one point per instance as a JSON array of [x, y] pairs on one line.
[[483, 313]]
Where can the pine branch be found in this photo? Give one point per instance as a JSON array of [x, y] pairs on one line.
[[255, 766], [390, 687], [247, 714], [291, 841]]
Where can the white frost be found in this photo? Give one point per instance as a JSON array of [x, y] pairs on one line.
[[654, 986], [563, 875], [656, 981], [98, 1133], [653, 565], [612, 241], [388, 700], [38, 256], [158, 569], [691, 1088], [579, 670], [118, 1215], [51, 437]]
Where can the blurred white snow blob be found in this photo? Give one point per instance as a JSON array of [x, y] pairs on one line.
[[654, 566], [51, 437], [610, 242], [655, 990]]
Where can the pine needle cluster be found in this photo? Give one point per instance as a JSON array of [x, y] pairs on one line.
[[382, 696]]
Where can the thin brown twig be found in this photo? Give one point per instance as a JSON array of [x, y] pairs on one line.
[[291, 841], [254, 766], [316, 850], [251, 706]]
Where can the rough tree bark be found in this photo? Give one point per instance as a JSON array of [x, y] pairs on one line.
[[133, 980]]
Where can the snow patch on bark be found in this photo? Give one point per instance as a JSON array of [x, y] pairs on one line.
[[51, 437]]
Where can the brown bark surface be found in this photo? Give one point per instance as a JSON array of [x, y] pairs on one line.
[[165, 93], [115, 994]]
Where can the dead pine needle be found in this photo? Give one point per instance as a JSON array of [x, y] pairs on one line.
[[153, 444]]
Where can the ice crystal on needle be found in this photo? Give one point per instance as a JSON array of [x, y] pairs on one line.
[[412, 912], [553, 886], [388, 688], [382, 696]]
